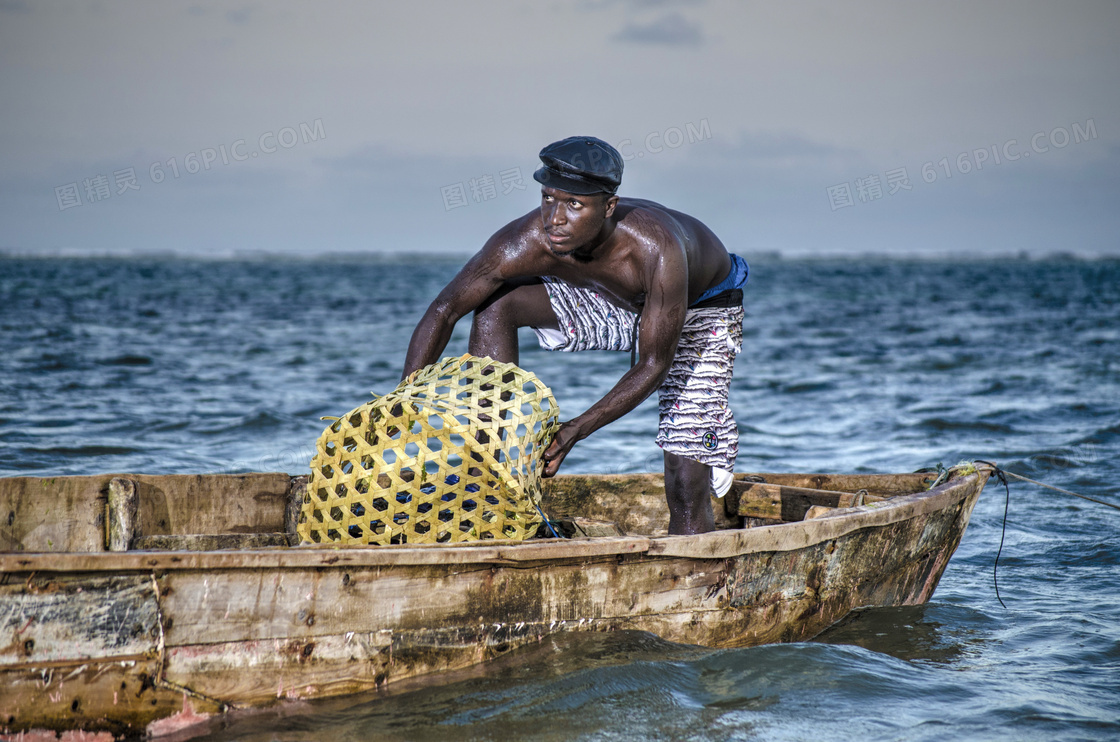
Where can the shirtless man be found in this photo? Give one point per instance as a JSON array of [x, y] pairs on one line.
[[591, 270]]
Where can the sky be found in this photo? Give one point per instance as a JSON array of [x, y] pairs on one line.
[[315, 128]]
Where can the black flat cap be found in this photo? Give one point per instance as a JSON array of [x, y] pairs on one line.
[[580, 165]]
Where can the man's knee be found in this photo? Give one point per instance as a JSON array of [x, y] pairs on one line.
[[686, 476], [518, 305]]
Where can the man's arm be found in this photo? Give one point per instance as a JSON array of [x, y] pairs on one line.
[[501, 258], [470, 287], [659, 330]]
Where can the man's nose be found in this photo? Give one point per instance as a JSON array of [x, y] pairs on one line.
[[557, 216]]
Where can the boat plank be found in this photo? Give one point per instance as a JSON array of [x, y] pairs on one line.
[[120, 697], [205, 608], [255, 673], [214, 541], [881, 485], [636, 502], [60, 514], [756, 500], [573, 548], [181, 504], [792, 536], [785, 503], [121, 509], [482, 552], [244, 605], [67, 514], [60, 620]]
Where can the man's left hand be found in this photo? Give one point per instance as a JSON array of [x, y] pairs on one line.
[[562, 442]]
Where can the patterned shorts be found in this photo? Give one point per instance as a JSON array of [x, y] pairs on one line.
[[696, 421]]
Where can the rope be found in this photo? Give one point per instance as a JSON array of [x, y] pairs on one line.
[[1003, 475], [547, 522], [1003, 529], [1059, 489]]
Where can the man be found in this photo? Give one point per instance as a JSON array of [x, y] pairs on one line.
[[593, 271]]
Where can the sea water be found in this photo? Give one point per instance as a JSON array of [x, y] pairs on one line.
[[856, 365]]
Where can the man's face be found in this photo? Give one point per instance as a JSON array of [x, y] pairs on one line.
[[572, 221]]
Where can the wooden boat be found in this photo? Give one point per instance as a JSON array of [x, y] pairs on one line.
[[139, 604]]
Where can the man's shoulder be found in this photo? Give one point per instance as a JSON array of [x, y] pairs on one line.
[[518, 233], [643, 203], [519, 244], [643, 207], [652, 228], [651, 220], [644, 211]]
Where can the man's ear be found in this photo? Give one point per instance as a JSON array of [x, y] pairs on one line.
[[611, 203]]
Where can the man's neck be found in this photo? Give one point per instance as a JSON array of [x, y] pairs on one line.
[[597, 248]]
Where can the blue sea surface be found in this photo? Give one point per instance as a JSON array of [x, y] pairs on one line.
[[857, 365]]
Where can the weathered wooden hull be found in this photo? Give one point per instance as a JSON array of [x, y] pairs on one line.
[[123, 641]]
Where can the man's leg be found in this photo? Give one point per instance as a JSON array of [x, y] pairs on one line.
[[495, 325], [687, 484]]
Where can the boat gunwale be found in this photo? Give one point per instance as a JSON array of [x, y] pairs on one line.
[[721, 544]]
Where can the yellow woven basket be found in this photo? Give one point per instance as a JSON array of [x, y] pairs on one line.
[[452, 454]]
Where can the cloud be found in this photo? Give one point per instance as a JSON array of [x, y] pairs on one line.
[[672, 29], [240, 16]]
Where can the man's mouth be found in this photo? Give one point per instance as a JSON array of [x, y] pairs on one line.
[[557, 237]]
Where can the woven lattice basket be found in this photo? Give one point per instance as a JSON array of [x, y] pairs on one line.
[[452, 454]]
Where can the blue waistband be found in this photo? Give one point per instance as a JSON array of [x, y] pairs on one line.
[[736, 279]]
